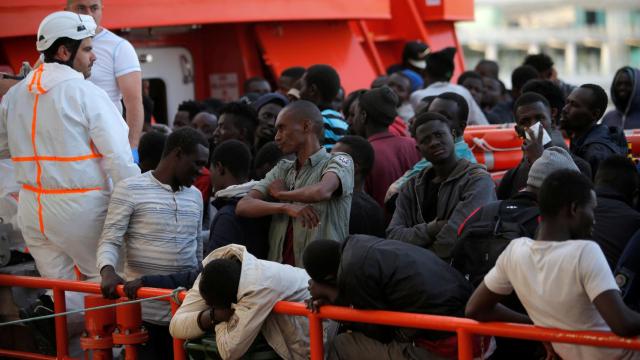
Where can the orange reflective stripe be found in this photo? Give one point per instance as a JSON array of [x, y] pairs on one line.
[[40, 217], [94, 149], [33, 81], [56, 158], [41, 191], [40, 89], [38, 189], [38, 167], [37, 79]]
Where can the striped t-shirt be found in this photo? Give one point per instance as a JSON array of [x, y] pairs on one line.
[[158, 228], [334, 127]]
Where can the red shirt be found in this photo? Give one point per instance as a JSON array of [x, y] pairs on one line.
[[203, 183], [393, 156], [398, 127]]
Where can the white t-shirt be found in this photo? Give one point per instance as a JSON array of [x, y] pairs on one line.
[[115, 57], [557, 281], [476, 116]]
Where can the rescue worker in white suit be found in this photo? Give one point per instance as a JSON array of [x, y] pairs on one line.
[[69, 145]]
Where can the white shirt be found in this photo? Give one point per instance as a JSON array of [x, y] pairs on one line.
[[405, 111], [115, 57], [557, 281], [476, 116]]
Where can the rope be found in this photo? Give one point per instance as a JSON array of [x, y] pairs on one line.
[[484, 145], [173, 295]]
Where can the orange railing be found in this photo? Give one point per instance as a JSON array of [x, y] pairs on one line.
[[59, 288], [465, 328]]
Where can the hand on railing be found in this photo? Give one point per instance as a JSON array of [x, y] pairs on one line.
[[131, 288], [321, 294], [314, 304], [109, 283]]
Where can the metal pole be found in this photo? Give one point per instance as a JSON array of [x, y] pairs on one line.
[[315, 337], [60, 305], [465, 345], [178, 344]]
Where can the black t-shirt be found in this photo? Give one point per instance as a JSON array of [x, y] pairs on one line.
[[430, 200], [367, 217]]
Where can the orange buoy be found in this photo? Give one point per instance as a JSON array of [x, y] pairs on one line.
[[499, 160], [490, 140]]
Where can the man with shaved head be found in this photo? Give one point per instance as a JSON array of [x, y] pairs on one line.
[[309, 197], [206, 123]]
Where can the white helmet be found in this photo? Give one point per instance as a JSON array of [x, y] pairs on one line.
[[64, 24]]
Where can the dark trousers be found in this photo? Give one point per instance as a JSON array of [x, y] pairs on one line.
[[160, 343]]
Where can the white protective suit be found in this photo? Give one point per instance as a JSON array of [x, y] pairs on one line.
[[68, 142], [262, 284], [9, 190]]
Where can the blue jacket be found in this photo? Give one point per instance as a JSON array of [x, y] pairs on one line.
[[600, 142], [227, 228]]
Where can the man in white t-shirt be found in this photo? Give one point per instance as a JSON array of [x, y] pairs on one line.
[[437, 75], [561, 281], [116, 69]]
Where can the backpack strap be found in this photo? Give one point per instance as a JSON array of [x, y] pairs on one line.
[[487, 212], [523, 217]]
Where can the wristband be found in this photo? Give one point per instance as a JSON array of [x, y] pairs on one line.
[[136, 157]]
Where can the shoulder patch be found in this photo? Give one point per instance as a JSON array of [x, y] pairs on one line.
[[621, 280], [344, 160]]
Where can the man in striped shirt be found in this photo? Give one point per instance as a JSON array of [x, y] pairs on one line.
[[156, 217], [320, 85]]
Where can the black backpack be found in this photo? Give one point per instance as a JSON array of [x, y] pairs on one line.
[[488, 232]]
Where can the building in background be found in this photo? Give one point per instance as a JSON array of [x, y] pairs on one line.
[[587, 39]]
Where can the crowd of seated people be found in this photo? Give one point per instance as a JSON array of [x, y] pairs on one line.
[[373, 200]]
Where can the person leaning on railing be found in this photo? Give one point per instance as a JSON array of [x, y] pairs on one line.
[[563, 282], [371, 273], [234, 296]]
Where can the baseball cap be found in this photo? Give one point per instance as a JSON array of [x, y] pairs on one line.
[[415, 53]]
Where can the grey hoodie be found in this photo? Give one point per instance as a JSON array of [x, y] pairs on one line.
[[625, 115], [467, 188]]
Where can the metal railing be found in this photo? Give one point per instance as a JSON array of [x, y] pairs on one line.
[[464, 328]]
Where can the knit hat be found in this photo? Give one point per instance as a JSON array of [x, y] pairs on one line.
[[270, 98], [553, 159], [440, 63], [414, 78], [380, 105]]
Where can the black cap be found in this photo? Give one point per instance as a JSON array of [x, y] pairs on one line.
[[415, 53]]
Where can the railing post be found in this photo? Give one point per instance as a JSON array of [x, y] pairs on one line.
[[315, 337], [178, 344], [60, 306], [465, 345]]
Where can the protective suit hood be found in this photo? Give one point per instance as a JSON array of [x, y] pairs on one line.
[[48, 75]]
